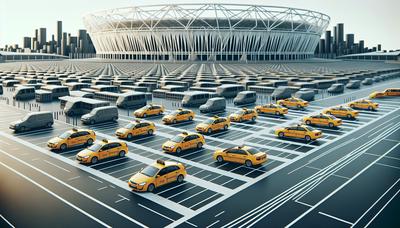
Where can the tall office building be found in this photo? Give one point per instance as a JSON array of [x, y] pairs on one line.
[[335, 39], [321, 47], [64, 44], [350, 40], [340, 39], [42, 37], [27, 42], [82, 40], [379, 47], [361, 46], [328, 42], [59, 33]]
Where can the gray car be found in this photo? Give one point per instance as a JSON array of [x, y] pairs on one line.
[[213, 105], [245, 97], [33, 120], [336, 88], [367, 81], [24, 93], [101, 114], [353, 84]]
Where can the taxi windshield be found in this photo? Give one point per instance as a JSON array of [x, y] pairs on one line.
[[150, 171], [240, 112], [253, 151], [174, 113], [95, 147], [64, 135], [209, 121], [130, 125], [177, 138], [309, 128]]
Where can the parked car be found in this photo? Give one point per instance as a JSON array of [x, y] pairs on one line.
[[245, 97], [336, 88], [101, 114], [33, 120], [213, 105]]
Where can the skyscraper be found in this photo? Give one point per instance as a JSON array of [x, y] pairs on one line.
[[82, 40], [59, 33], [328, 42], [27, 42], [350, 40], [340, 39], [361, 46], [42, 37]]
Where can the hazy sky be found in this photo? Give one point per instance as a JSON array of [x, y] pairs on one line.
[[375, 21]]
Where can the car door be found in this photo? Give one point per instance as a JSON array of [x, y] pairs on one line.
[[114, 149], [229, 155], [161, 177], [186, 142], [83, 137], [172, 174], [241, 156], [301, 132], [104, 151], [74, 139]]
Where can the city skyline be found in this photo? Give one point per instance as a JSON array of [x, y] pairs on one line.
[[363, 26]]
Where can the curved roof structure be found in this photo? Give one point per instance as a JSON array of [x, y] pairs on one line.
[[147, 30]]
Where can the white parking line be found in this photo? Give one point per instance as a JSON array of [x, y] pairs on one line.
[[155, 212], [336, 218], [54, 194], [50, 163], [95, 179], [8, 222]]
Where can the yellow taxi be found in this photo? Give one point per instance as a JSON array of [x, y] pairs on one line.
[[72, 138], [293, 102], [102, 150], [157, 174], [322, 119], [135, 128], [299, 131], [271, 109], [390, 92], [341, 111], [364, 104], [244, 155], [179, 116], [243, 115], [213, 124], [184, 141], [149, 110]]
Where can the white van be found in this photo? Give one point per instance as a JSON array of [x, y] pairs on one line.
[[24, 93]]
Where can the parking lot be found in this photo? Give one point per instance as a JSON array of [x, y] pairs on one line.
[[208, 182]]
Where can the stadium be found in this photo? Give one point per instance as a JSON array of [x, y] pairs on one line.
[[206, 32]]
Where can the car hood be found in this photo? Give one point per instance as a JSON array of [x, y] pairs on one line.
[[169, 117], [122, 130], [55, 140], [169, 144], [202, 125], [139, 178], [85, 152], [86, 116], [15, 122]]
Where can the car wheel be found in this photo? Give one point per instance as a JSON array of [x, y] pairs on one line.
[[253, 118], [150, 132], [180, 178], [349, 116], [370, 108], [121, 154], [248, 163], [258, 110], [63, 147], [352, 106], [92, 122], [129, 136], [299, 106], [209, 131], [225, 127], [199, 145], [174, 121], [277, 113], [190, 118], [150, 188], [178, 150], [308, 122], [281, 134], [144, 115], [89, 142], [114, 119], [328, 113], [220, 158], [241, 120], [49, 124], [160, 113], [307, 138], [331, 125], [94, 160]]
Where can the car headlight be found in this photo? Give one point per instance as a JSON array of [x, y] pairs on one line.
[[172, 147], [142, 184], [86, 156]]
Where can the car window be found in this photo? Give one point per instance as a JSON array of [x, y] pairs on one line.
[[163, 171], [186, 139], [74, 135], [173, 168], [241, 152]]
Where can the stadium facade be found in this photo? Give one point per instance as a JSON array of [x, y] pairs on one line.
[[213, 32]]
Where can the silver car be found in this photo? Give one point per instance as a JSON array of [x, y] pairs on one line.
[[101, 114]]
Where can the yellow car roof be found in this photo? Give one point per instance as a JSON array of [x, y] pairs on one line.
[[161, 164]]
